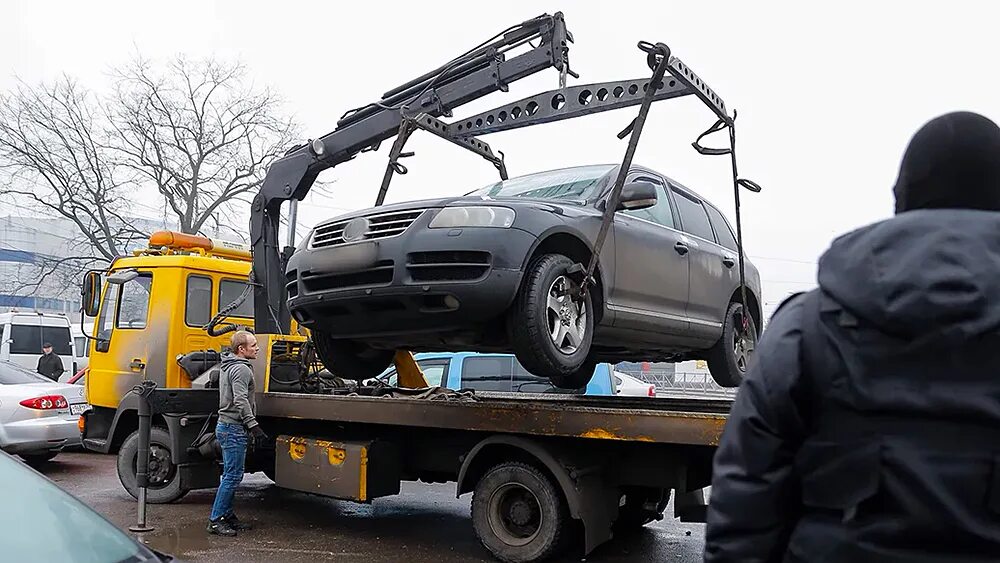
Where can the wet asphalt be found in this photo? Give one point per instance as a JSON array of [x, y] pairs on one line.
[[424, 523]]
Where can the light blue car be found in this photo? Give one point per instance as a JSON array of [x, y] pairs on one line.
[[493, 372]]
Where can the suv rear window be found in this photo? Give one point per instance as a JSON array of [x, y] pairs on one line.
[[726, 236], [693, 217]]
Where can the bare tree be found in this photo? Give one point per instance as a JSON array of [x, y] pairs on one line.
[[55, 162], [200, 133]]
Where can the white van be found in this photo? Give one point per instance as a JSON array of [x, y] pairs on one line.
[[81, 346], [23, 333]]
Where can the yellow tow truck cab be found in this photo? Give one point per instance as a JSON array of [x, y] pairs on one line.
[[152, 308]]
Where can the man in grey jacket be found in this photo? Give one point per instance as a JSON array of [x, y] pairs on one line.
[[237, 410]]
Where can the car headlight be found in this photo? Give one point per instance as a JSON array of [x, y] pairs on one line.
[[475, 216]]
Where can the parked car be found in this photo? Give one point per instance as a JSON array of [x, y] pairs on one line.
[[628, 385], [45, 523], [38, 417], [496, 271], [493, 372]]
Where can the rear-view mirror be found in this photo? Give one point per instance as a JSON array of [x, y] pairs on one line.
[[637, 195], [91, 293]]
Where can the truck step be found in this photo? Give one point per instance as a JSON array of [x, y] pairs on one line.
[[95, 444]]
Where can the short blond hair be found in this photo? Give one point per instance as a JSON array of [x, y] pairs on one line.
[[241, 338]]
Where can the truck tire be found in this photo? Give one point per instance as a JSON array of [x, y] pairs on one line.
[[551, 333], [729, 359], [519, 514], [165, 480], [351, 360], [641, 507]]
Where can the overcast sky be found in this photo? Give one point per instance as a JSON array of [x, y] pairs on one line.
[[827, 96]]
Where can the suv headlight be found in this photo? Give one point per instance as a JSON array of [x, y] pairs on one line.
[[474, 216]]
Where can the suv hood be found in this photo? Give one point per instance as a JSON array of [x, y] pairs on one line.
[[545, 204]]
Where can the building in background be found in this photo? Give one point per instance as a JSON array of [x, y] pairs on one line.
[[31, 246]]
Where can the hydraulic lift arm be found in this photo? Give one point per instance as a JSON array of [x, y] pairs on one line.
[[477, 73]]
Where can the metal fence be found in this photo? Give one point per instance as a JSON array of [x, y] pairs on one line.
[[671, 382]]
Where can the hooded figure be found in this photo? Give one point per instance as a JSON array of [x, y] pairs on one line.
[[868, 426]]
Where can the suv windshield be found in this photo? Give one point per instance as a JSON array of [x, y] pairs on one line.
[[577, 183]]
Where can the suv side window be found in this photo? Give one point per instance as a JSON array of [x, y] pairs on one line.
[[727, 237], [659, 213], [693, 216], [489, 373]]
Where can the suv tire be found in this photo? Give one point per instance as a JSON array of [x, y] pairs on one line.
[[551, 334], [351, 360], [729, 359]]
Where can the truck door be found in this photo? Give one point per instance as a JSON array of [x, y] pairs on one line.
[[121, 353]]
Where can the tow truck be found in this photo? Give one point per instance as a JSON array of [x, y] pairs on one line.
[[541, 468]]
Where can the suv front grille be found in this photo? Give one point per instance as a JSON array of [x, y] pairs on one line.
[[381, 225], [449, 265]]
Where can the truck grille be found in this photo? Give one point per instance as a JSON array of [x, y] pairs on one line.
[[381, 225]]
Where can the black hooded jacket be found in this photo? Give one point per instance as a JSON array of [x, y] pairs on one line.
[[868, 428]]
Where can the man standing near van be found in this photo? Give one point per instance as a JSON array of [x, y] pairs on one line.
[[237, 410], [50, 364]]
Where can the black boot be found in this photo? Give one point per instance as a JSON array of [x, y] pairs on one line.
[[236, 523], [221, 527]]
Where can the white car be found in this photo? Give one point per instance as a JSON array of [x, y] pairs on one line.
[[38, 417], [625, 384]]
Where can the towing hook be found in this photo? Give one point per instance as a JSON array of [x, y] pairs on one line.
[[654, 53]]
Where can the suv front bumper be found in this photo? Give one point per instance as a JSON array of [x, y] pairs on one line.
[[423, 280]]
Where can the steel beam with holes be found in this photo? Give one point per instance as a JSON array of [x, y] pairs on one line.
[[446, 131], [566, 103]]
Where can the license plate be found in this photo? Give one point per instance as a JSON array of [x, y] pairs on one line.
[[79, 408]]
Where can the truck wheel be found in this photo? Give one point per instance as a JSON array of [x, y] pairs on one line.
[[641, 507], [164, 478], [552, 332], [729, 359], [519, 513], [349, 359]]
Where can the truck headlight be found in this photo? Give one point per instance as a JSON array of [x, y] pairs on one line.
[[474, 216]]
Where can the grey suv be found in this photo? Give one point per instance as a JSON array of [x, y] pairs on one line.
[[492, 271]]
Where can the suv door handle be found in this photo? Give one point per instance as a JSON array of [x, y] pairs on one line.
[[137, 364], [729, 261], [681, 248]]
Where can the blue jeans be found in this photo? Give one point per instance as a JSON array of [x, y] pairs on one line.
[[233, 440]]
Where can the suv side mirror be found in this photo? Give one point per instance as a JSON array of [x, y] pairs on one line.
[[91, 293], [637, 195]]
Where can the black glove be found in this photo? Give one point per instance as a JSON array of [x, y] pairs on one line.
[[258, 434]]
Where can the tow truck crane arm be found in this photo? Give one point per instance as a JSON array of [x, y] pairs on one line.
[[418, 105], [479, 72]]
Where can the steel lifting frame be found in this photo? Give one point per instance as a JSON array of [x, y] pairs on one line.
[[578, 101]]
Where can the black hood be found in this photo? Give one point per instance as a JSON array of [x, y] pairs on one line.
[[922, 273]]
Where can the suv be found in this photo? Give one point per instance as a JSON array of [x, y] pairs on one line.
[[495, 271]]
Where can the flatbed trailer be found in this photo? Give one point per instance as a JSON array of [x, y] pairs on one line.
[[543, 470]]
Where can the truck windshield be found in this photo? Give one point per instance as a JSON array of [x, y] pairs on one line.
[[577, 183]]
